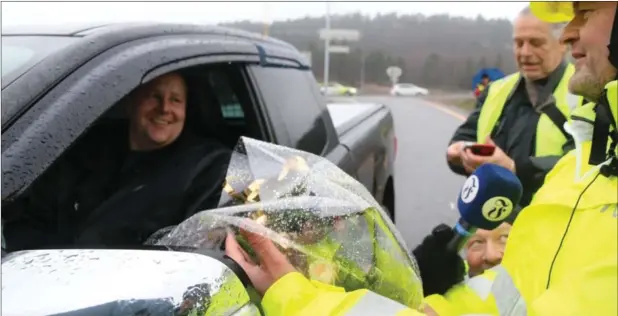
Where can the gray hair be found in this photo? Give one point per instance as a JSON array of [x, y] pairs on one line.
[[555, 28]]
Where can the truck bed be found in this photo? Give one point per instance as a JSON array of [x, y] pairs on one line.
[[346, 116]]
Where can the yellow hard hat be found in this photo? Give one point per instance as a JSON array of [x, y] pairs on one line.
[[553, 11]]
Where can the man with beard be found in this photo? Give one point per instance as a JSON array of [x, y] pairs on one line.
[[523, 114]]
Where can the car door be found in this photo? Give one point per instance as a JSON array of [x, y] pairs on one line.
[[69, 108]]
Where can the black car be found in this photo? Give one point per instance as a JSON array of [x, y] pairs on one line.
[[57, 82]]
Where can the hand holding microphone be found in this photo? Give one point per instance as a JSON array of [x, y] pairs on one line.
[[487, 198]]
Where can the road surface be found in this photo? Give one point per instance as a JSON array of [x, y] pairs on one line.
[[425, 189]]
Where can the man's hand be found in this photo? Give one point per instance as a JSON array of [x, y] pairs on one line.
[[471, 161], [273, 266], [440, 268], [454, 152]]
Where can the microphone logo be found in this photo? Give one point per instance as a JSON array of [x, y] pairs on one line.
[[470, 189], [497, 208]]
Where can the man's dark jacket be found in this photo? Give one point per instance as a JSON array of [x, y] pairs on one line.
[[103, 195], [515, 133]]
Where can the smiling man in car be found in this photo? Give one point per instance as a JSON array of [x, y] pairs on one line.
[[126, 179], [523, 114]]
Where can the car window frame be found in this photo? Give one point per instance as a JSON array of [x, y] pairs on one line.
[[279, 120], [141, 61], [255, 114]]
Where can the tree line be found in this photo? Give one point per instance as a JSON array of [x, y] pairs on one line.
[[438, 51]]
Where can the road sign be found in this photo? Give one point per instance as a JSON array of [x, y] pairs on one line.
[[337, 49], [340, 35], [394, 73]]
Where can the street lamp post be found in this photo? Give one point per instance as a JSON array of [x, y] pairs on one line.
[[327, 47], [339, 35], [362, 71]]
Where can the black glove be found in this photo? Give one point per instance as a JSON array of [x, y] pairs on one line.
[[440, 268]]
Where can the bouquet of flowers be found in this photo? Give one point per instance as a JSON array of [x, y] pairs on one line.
[[327, 223]]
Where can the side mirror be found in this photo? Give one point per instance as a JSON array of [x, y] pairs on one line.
[[121, 282]]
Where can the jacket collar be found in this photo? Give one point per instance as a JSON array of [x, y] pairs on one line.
[[553, 79]]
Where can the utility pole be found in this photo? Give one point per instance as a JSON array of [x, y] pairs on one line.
[[362, 72], [327, 47]]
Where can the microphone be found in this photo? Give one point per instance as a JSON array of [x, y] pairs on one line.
[[487, 198]]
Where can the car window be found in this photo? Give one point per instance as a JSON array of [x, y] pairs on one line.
[[234, 112], [297, 103], [14, 56], [228, 100], [19, 53]]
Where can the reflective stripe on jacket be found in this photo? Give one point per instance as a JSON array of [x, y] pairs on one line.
[[549, 138]]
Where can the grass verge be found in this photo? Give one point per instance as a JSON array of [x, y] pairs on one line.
[[466, 104]]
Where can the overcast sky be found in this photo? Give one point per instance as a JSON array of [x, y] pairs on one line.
[[20, 13]]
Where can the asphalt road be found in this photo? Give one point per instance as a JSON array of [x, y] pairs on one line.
[[426, 190]]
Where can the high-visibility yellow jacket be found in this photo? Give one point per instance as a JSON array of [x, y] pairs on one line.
[[549, 138], [561, 257]]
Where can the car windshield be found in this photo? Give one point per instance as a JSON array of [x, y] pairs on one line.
[[19, 53]]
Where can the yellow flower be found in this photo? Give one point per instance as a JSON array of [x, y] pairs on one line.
[[323, 271]]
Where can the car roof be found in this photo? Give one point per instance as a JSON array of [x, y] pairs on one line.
[[93, 39], [61, 30], [129, 28]]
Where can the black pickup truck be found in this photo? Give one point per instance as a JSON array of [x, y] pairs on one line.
[[59, 81]]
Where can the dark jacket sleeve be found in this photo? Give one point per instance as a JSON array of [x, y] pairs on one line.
[[205, 190], [532, 170], [465, 132], [26, 225], [44, 215]]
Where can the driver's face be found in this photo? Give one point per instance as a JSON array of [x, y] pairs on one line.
[[485, 248], [158, 112]]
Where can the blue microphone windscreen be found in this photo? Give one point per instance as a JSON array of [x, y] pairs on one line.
[[489, 196]]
